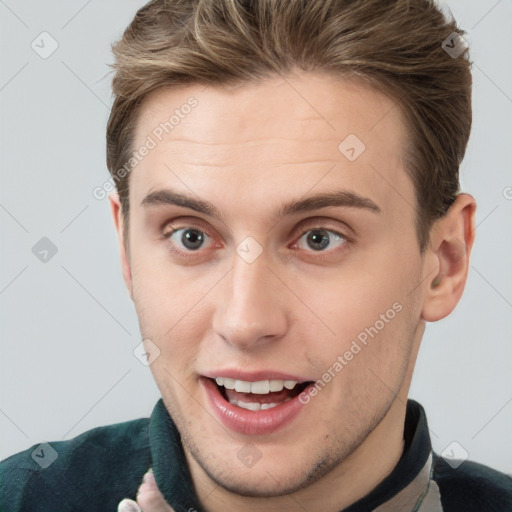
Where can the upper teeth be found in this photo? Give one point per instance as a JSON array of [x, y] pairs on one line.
[[261, 387]]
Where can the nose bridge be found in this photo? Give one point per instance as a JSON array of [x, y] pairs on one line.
[[249, 311]]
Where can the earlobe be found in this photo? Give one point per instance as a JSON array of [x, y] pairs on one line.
[[117, 217], [452, 240]]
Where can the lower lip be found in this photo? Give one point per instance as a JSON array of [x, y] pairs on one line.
[[252, 423]]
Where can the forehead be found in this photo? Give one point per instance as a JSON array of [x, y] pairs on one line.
[[316, 101], [272, 135]]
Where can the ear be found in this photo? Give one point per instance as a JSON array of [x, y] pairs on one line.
[[117, 217], [447, 260]]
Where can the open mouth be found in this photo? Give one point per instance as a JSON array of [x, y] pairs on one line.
[[254, 408], [260, 395]]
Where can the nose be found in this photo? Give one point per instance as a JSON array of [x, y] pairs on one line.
[[251, 305]]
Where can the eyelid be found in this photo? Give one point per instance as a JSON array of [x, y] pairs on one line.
[[308, 225], [311, 224]]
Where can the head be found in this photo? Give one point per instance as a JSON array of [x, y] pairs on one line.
[[288, 208]]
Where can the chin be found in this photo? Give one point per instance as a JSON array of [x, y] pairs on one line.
[[274, 474], [264, 482]]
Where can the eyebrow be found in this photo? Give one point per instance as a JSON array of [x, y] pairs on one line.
[[342, 198]]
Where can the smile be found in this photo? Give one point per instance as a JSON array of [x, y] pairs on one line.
[[254, 407], [242, 393]]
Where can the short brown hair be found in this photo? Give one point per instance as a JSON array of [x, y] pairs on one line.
[[394, 45]]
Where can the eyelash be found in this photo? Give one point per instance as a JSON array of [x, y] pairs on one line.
[[336, 234]]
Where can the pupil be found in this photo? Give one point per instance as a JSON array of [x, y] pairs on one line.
[[192, 239], [315, 238]]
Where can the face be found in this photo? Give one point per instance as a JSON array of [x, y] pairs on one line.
[[250, 280]]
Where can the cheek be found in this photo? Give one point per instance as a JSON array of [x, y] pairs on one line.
[[354, 299], [162, 296], [170, 312], [368, 312]]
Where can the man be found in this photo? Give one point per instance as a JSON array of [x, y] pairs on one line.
[[289, 218]]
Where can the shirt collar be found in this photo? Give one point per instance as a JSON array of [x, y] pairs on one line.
[[409, 483]]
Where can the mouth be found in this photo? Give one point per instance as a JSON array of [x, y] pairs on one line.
[[260, 395], [254, 407]]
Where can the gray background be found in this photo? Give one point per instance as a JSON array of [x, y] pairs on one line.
[[68, 326]]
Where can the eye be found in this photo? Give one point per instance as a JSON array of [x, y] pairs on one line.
[[320, 238], [191, 239], [188, 239]]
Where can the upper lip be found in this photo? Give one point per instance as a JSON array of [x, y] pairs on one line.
[[253, 376]]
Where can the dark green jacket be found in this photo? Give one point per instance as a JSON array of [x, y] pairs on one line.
[[97, 469]]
